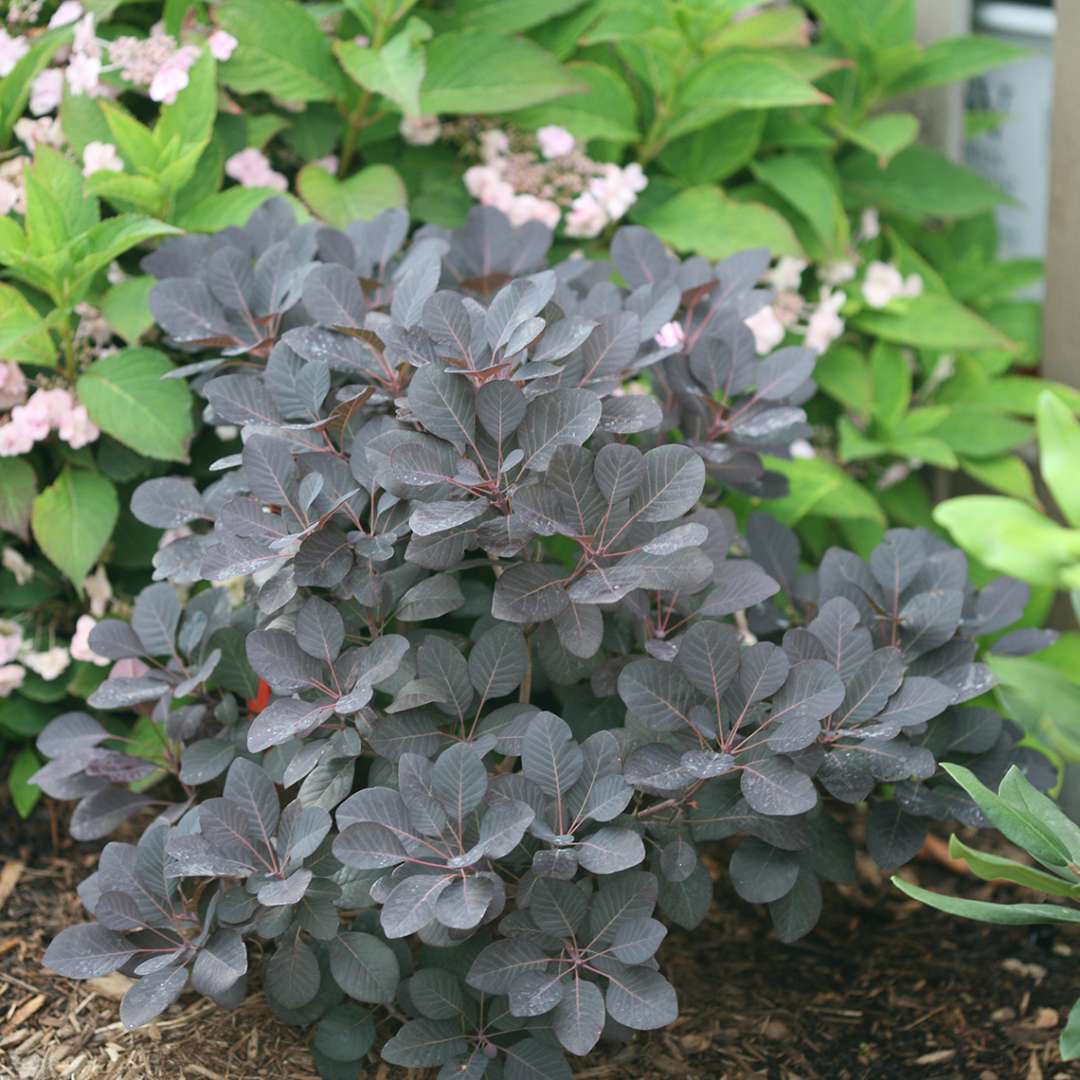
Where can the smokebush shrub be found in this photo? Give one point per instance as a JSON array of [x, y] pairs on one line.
[[457, 749]]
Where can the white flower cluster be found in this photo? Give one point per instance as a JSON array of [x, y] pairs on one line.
[[550, 175], [820, 323], [17, 653]]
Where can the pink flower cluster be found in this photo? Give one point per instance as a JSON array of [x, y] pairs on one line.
[[156, 62], [538, 177], [45, 412], [251, 168]]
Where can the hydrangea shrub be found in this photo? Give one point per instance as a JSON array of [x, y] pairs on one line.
[[504, 661]]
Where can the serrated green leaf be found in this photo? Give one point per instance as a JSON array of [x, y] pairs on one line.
[[955, 60], [730, 81], [607, 110], [475, 71], [933, 321], [820, 488], [396, 70], [23, 337], [18, 486], [73, 519], [918, 183], [126, 308], [128, 398], [804, 185], [707, 222], [713, 153], [363, 195], [281, 50], [231, 207], [884, 136]]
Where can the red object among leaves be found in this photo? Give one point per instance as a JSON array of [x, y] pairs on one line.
[[260, 700]]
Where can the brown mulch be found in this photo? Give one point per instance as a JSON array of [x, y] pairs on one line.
[[883, 989]]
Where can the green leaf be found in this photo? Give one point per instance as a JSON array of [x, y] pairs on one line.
[[606, 111], [133, 140], [803, 184], [854, 445], [18, 486], [363, 195], [999, 868], [22, 719], [982, 911], [1016, 821], [73, 519], [1007, 474], [929, 449], [126, 308], [1020, 793], [23, 337], [705, 221], [982, 433], [932, 321], [1070, 1037], [1017, 394], [955, 60], [474, 71], [843, 374], [128, 398], [1009, 536], [15, 86], [1042, 699], [83, 121], [721, 84], [891, 378], [511, 16], [715, 152], [190, 118], [396, 70], [112, 237], [1059, 455], [818, 487], [281, 50], [918, 183], [884, 136], [231, 207], [24, 794], [138, 194]]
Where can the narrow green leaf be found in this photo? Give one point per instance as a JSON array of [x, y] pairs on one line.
[[998, 868], [982, 911]]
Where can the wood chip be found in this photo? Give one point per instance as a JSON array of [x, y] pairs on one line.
[[936, 1057], [113, 986], [1046, 1018], [9, 878], [24, 1012]]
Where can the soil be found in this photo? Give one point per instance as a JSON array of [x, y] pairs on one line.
[[883, 989]]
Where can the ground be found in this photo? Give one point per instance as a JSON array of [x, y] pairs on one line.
[[883, 989]]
